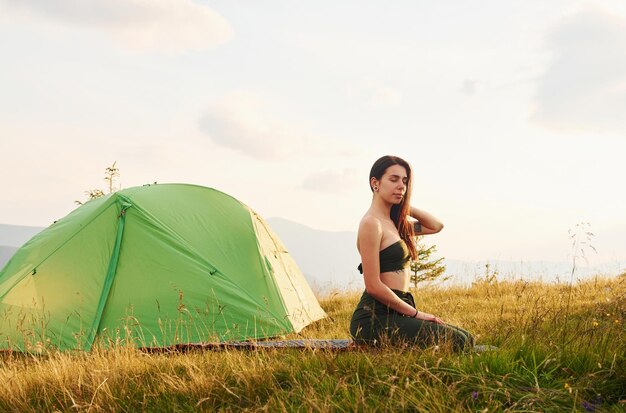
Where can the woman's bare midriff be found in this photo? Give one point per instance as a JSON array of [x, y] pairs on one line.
[[396, 280]]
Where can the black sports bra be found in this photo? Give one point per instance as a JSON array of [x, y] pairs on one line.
[[393, 258]]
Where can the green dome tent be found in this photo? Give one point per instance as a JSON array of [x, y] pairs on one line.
[[154, 266]]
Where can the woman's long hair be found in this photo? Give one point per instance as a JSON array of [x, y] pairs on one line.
[[399, 212]]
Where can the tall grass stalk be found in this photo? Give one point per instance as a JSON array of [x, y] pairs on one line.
[[581, 241]]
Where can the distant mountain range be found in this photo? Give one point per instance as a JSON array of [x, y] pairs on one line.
[[329, 259], [5, 254], [12, 237], [16, 235]]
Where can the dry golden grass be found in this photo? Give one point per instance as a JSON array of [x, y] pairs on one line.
[[552, 357]]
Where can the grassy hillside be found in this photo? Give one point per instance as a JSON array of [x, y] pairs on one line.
[[560, 349]]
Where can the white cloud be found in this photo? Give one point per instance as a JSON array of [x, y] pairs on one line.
[[143, 25], [333, 181], [242, 122], [376, 94], [469, 87], [584, 87]]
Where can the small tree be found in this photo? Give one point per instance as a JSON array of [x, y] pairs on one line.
[[425, 269], [110, 173]]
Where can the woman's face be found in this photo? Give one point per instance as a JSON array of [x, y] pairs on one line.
[[392, 185]]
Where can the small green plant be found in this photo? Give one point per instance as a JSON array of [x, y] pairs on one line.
[[489, 276], [110, 174]]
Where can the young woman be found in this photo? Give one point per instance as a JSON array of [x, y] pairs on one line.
[[386, 243]]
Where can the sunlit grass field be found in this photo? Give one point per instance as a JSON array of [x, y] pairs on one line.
[[561, 348]]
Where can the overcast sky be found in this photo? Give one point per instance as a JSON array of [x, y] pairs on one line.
[[512, 113]]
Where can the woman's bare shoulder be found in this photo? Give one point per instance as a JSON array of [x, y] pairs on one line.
[[370, 231], [370, 226], [370, 222]]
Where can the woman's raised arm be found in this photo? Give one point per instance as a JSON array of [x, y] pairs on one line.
[[430, 224]]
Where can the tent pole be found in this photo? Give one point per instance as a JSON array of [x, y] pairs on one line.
[[106, 288]]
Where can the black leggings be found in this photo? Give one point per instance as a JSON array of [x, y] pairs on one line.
[[373, 322]]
